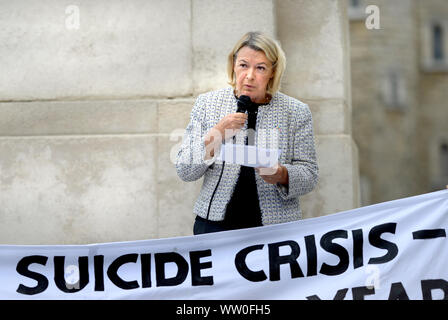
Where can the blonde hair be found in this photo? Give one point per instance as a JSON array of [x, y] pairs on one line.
[[274, 53]]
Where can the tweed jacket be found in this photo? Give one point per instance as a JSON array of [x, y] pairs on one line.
[[285, 123]]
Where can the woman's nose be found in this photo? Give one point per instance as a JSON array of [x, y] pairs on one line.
[[250, 74]]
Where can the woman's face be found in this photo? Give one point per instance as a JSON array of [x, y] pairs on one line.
[[253, 72]]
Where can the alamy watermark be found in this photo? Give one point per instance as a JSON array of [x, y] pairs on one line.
[[71, 276], [72, 20], [373, 279], [373, 18]]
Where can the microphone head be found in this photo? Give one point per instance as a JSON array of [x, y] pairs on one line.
[[243, 103]]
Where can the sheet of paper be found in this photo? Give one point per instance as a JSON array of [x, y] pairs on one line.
[[249, 156]]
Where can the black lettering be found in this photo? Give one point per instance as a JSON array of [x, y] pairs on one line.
[[145, 260], [340, 295], [197, 266], [22, 269], [59, 274], [397, 292], [428, 234], [358, 241], [276, 260], [429, 285], [327, 244], [241, 266], [360, 292], [311, 255], [167, 257], [376, 241], [98, 265], [112, 271]]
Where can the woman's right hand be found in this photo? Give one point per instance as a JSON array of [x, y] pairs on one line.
[[226, 128], [231, 124]]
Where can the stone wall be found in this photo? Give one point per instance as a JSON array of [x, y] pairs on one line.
[[385, 80], [399, 102], [92, 110], [433, 111]]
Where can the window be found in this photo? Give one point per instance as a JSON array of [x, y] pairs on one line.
[[356, 10], [354, 3], [365, 186], [437, 42], [394, 91], [444, 160], [434, 46], [393, 82], [438, 157]]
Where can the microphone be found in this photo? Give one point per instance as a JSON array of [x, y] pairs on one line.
[[243, 103]]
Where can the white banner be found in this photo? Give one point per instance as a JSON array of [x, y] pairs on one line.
[[392, 250]]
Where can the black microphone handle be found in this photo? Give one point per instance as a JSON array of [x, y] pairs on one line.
[[243, 103], [241, 109]]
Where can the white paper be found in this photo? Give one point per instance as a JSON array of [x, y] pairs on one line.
[[249, 156]]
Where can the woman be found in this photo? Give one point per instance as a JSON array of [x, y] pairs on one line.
[[235, 196]]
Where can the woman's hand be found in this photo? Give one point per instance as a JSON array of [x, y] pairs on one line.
[[231, 124], [226, 128], [274, 175]]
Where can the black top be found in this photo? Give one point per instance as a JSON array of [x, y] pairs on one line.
[[243, 209]]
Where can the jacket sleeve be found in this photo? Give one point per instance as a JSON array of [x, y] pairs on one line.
[[303, 170], [190, 163]]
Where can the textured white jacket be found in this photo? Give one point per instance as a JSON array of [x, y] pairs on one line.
[[285, 123]]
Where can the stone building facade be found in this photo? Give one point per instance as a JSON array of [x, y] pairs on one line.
[[399, 94], [95, 95]]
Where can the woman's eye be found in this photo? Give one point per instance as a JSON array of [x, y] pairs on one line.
[[243, 65], [261, 68]]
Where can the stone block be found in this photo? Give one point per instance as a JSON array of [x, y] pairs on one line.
[[77, 190], [115, 49], [338, 186], [174, 114], [78, 117], [314, 35], [330, 116]]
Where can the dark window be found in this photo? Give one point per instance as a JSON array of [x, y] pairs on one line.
[[437, 40], [444, 160], [394, 90], [354, 3]]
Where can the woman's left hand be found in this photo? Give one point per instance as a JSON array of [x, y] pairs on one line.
[[274, 175]]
